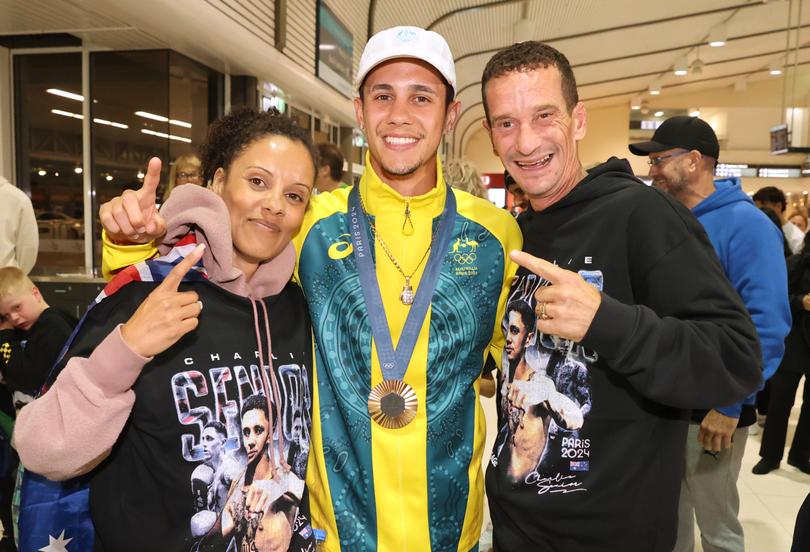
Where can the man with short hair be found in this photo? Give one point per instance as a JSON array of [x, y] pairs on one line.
[[330, 169], [774, 198], [682, 154], [397, 445], [625, 286]]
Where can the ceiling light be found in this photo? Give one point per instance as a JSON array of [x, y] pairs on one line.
[[108, 178], [78, 170], [41, 172], [697, 67], [718, 36], [775, 68], [67, 114], [645, 107], [147, 115], [694, 113], [164, 135], [140, 175], [56, 174], [682, 66], [655, 88], [162, 119], [635, 103], [110, 123], [65, 94], [659, 114]]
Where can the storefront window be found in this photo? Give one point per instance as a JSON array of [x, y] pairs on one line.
[[48, 131], [143, 104], [160, 102]]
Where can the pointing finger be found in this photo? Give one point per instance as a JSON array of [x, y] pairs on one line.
[[147, 194], [541, 267], [172, 280]]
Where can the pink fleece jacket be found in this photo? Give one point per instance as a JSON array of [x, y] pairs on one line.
[[70, 429]]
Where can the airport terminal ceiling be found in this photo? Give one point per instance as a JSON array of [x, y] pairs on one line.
[[621, 50]]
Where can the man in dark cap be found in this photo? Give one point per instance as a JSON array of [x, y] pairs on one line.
[[682, 154]]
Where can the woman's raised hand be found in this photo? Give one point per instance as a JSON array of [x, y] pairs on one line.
[[133, 217], [167, 314]]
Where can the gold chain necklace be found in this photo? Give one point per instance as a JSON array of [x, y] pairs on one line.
[[407, 295]]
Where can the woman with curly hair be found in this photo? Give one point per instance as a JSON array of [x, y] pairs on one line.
[[209, 341]]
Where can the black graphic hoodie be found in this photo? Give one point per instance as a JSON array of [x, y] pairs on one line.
[[590, 449], [183, 447]]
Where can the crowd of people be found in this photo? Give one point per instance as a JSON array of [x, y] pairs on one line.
[[281, 361]]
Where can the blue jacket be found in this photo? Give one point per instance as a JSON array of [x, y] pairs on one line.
[[750, 249]]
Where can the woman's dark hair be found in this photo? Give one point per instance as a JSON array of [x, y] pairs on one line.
[[231, 134]]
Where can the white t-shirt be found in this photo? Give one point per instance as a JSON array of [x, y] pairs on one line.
[[794, 236]]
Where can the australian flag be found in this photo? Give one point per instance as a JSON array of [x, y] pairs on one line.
[[54, 516]]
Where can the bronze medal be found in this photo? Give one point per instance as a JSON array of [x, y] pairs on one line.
[[392, 404]]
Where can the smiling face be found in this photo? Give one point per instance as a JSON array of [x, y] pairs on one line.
[[266, 190], [404, 116], [670, 172], [534, 134]]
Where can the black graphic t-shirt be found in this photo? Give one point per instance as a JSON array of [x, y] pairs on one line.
[[590, 443], [209, 458]]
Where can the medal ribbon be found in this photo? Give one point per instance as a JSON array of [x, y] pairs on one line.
[[394, 363]]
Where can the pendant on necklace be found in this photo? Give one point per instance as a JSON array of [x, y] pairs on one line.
[[407, 293]]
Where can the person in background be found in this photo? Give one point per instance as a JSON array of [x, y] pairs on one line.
[[32, 335], [330, 168], [462, 176], [774, 198], [794, 366], [798, 216], [19, 235], [519, 200], [186, 169], [682, 154]]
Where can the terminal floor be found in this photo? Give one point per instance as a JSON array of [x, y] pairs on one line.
[[769, 503]]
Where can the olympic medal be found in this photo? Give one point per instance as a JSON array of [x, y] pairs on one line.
[[392, 404]]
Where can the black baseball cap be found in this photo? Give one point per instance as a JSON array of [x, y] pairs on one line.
[[689, 133]]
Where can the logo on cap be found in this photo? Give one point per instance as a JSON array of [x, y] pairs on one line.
[[406, 35]]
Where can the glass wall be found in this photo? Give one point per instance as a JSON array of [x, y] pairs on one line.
[[48, 130], [144, 104]]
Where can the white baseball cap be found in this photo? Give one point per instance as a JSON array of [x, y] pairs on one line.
[[407, 42]]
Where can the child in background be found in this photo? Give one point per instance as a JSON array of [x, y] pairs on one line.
[[31, 337], [31, 334]]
